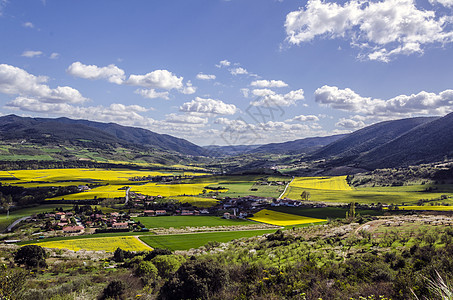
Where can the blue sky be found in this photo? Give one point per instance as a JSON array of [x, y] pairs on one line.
[[228, 72]]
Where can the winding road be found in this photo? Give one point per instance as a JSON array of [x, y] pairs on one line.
[[11, 226], [284, 191]]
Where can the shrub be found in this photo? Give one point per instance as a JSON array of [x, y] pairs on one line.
[[31, 256], [114, 290]]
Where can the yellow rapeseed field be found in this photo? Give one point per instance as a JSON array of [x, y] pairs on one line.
[[282, 219], [107, 191], [109, 244], [52, 175], [171, 190], [337, 183]]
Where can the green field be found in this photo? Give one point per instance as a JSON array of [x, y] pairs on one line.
[[195, 240], [324, 212], [322, 192], [17, 214], [189, 221]]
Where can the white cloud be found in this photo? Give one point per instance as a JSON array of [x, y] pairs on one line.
[[152, 94], [112, 73], [304, 118], [268, 83], [381, 30], [238, 71], [189, 89], [54, 55], [245, 92], [350, 123], [446, 3], [161, 79], [31, 54], [208, 106], [28, 25], [223, 63], [16, 81], [267, 97], [186, 119], [116, 112], [202, 76], [423, 103]]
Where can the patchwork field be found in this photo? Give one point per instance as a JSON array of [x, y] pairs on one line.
[[282, 219], [108, 244], [195, 240], [189, 221], [170, 190], [106, 191], [335, 189]]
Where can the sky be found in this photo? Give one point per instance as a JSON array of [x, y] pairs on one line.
[[219, 72]]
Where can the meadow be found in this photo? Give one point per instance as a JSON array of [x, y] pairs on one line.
[[189, 221], [25, 212], [195, 240], [336, 189], [108, 244], [425, 207], [282, 219]]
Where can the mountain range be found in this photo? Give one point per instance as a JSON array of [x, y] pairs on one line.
[[386, 144]]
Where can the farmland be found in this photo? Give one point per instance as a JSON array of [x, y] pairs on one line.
[[282, 219], [336, 190], [189, 221], [108, 244], [195, 240]]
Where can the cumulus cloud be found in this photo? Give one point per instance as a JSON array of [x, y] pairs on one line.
[[116, 112], [223, 63], [16, 81], [304, 118], [161, 79], [381, 30], [152, 94], [189, 89], [202, 76], [350, 123], [208, 106], [268, 83], [186, 119], [267, 97], [446, 3], [112, 73], [31, 54], [238, 71], [423, 103]]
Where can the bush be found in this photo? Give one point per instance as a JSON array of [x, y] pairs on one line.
[[195, 280], [166, 265], [114, 290], [31, 256], [146, 269]]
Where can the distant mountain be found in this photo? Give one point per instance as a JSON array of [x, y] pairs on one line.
[[214, 150], [300, 146], [366, 139], [94, 134], [428, 142]]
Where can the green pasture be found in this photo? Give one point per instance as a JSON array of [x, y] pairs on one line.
[[195, 240], [189, 221], [387, 195], [324, 212], [25, 212]]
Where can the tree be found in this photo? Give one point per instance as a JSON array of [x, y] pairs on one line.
[[31, 256], [115, 290], [195, 280], [166, 265], [305, 195]]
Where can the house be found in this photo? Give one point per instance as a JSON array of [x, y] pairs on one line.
[[60, 215], [161, 212], [186, 212], [120, 226], [72, 229], [148, 213], [115, 214], [226, 215]]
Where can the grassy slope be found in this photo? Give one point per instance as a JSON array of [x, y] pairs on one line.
[[189, 241], [188, 221]]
